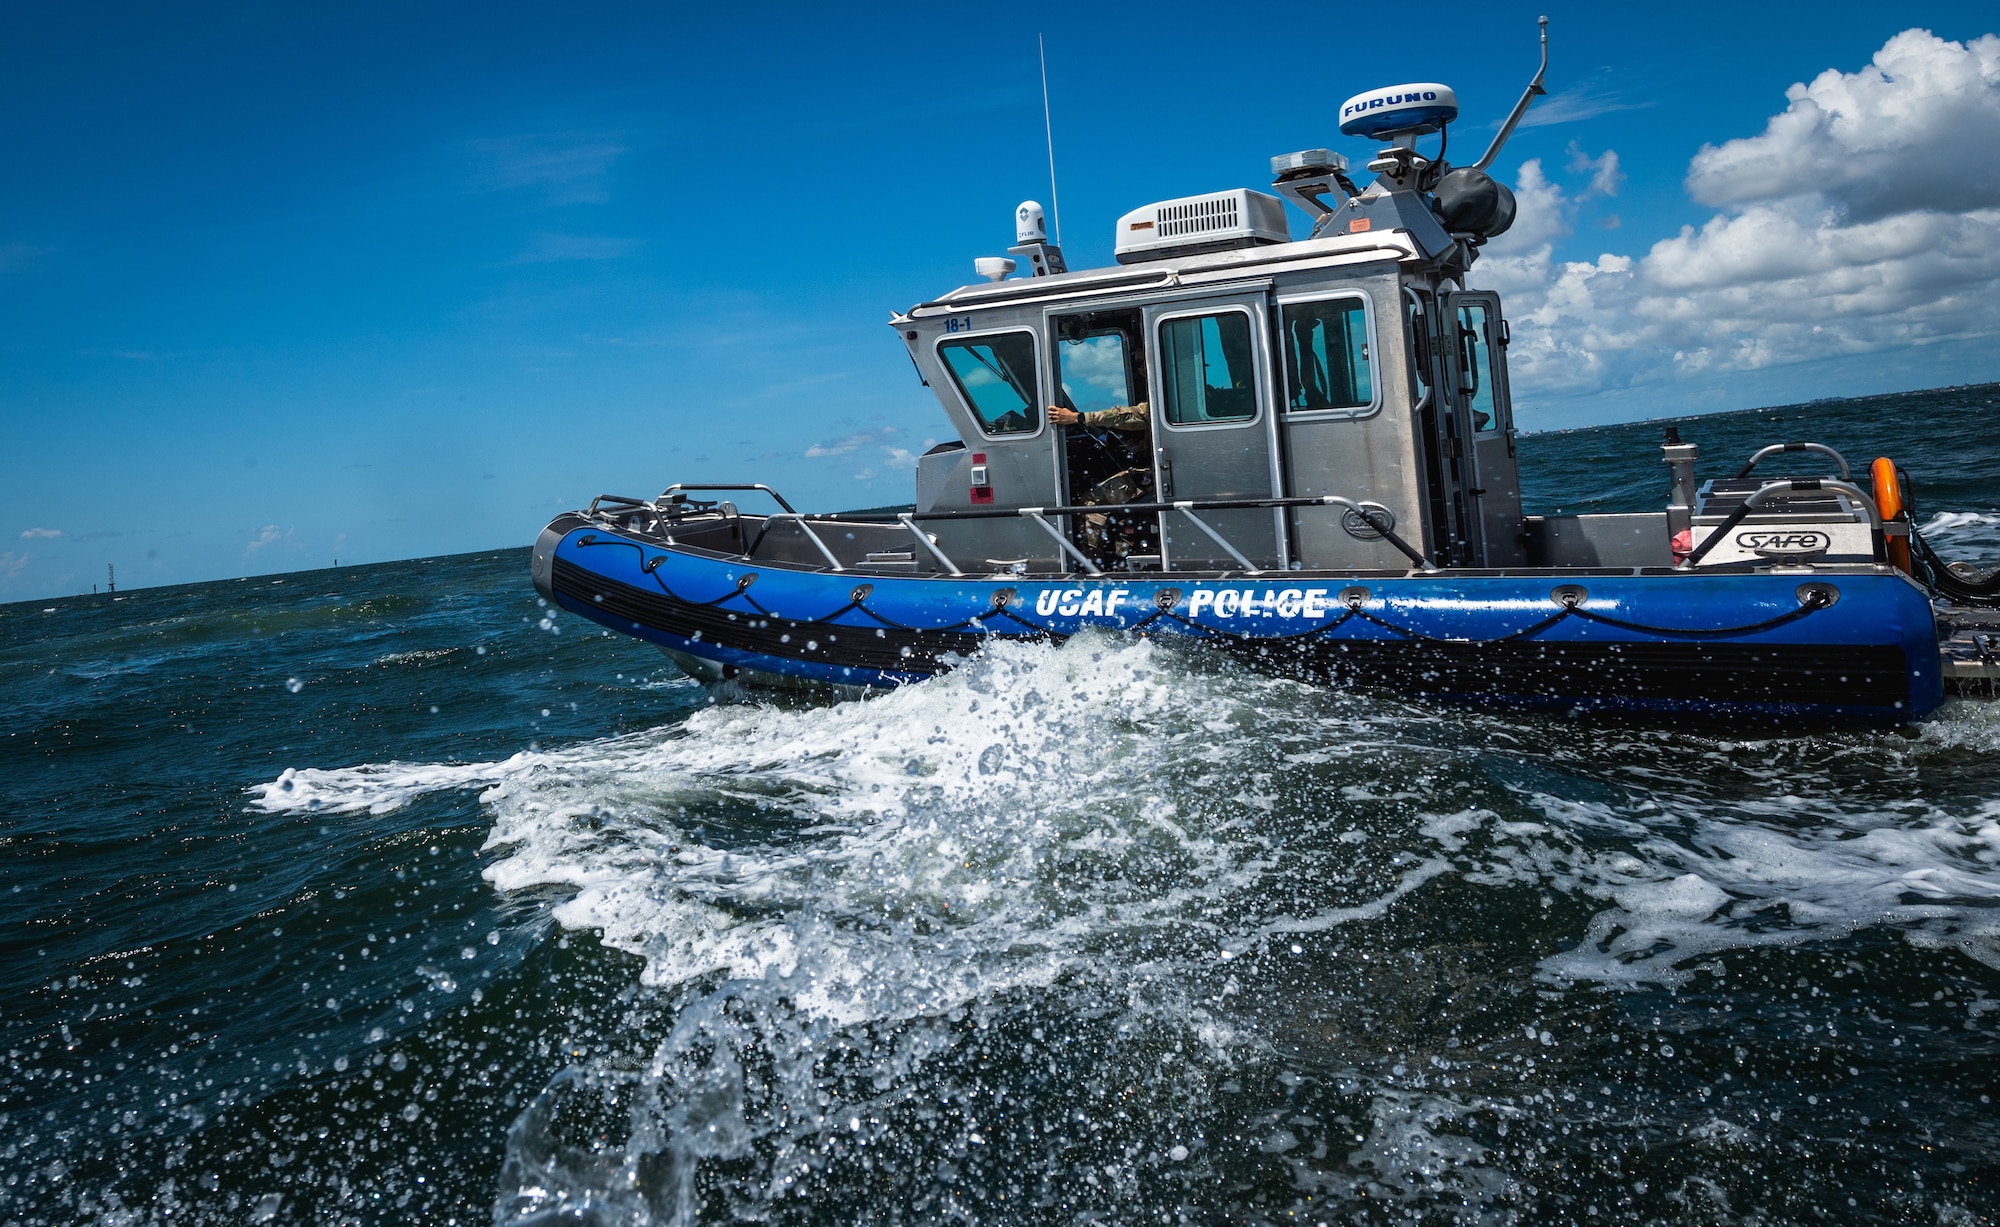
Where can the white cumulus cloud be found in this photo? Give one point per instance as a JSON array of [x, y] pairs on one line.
[[1864, 218], [41, 534], [1918, 129], [847, 445], [270, 536]]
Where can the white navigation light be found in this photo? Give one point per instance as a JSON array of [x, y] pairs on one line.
[[1028, 224], [1414, 109], [993, 268]]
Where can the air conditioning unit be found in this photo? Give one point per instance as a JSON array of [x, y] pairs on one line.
[[1219, 221]]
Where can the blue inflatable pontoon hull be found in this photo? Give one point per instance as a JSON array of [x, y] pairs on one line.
[[1846, 645]]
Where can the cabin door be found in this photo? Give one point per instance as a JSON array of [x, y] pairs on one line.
[[1475, 335], [1214, 435]]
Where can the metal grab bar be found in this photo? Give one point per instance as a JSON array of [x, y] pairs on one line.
[[1388, 533], [1187, 509], [777, 498], [1371, 518], [619, 502], [1785, 485], [1035, 514], [1776, 448], [804, 527], [908, 521]]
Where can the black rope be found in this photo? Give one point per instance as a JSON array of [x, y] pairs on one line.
[[1814, 602], [651, 567], [1216, 632]]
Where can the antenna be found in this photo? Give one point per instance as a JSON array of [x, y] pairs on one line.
[[1049, 132], [1521, 107]]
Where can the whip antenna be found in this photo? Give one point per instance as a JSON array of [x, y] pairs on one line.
[[1049, 132]]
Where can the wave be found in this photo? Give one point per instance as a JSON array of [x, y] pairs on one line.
[[837, 906]]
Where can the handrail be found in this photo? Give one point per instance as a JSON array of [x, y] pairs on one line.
[[678, 487], [1186, 509], [804, 527], [1371, 518], [1002, 513], [1758, 496], [623, 501], [1374, 519], [1776, 448], [1388, 532], [907, 521], [1035, 514]]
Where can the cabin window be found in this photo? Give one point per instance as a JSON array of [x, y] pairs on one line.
[[996, 375], [1210, 375], [1327, 360], [1475, 366]]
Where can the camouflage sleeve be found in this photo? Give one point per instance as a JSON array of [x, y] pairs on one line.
[[1126, 418]]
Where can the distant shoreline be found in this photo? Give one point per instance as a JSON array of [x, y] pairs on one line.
[[1815, 403]]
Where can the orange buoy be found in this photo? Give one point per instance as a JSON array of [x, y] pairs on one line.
[[1889, 501]]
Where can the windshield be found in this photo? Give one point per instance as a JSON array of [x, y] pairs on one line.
[[996, 373]]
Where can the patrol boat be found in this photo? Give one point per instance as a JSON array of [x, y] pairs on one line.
[[1323, 482]]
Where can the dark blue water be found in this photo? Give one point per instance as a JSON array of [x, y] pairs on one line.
[[380, 895]]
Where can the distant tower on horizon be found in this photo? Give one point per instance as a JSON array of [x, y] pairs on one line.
[[110, 578]]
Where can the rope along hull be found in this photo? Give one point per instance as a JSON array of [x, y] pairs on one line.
[[1847, 646]]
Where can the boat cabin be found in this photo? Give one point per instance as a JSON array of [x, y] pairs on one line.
[[1340, 365], [1352, 363]]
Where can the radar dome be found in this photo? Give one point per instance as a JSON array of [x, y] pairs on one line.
[[1416, 109]]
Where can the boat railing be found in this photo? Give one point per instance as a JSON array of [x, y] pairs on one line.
[[1787, 485], [1780, 448], [674, 498], [1186, 507], [679, 489], [832, 560]]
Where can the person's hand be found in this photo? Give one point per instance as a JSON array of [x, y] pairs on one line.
[[1064, 417]]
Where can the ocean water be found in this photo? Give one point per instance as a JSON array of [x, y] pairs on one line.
[[383, 895]]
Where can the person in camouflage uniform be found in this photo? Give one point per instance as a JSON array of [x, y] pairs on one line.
[[1107, 537], [1125, 419]]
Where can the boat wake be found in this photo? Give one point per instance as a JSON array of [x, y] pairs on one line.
[[1035, 933]]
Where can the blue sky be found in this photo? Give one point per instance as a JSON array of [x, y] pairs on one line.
[[278, 285]]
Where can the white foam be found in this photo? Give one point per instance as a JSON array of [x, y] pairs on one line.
[[971, 835], [1112, 813], [1009, 826], [1965, 536], [1685, 875]]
